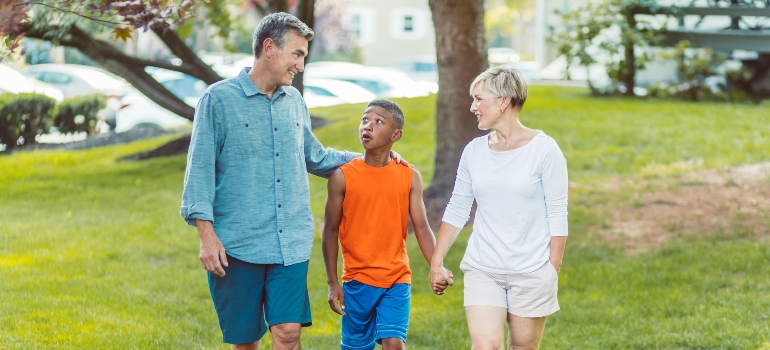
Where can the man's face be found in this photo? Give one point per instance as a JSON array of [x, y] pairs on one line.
[[286, 62], [377, 128]]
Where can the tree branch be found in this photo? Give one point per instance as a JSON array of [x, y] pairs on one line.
[[130, 68], [193, 64], [69, 11]]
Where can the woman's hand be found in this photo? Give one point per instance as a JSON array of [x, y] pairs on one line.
[[440, 279]]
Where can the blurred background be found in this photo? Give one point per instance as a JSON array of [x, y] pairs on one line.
[[660, 108]]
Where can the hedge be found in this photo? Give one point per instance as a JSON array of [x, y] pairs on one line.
[[24, 116]]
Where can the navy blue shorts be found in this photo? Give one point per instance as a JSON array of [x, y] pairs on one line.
[[373, 314], [252, 297]]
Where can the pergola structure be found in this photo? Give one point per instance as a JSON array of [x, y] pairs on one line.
[[749, 30]]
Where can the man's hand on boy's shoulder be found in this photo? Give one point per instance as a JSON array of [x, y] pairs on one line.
[[397, 157], [336, 299]]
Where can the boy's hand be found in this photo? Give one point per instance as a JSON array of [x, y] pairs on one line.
[[337, 296], [440, 279]]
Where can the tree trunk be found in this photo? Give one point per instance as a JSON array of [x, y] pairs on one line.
[[306, 14], [461, 52], [629, 71], [279, 5]]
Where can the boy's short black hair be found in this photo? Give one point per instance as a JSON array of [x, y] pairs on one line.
[[393, 108]]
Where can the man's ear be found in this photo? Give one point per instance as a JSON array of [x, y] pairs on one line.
[[396, 135], [268, 47]]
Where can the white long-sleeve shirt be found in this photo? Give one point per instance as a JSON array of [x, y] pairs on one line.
[[522, 202]]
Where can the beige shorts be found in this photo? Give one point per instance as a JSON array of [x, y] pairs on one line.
[[525, 294]]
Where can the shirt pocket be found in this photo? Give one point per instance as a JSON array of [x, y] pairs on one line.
[[292, 137], [248, 141]]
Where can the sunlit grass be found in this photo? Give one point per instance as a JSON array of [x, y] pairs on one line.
[[93, 253]]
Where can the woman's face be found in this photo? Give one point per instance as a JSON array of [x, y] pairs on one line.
[[486, 107]]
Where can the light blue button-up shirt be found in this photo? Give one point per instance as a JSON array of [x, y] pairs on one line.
[[247, 170]]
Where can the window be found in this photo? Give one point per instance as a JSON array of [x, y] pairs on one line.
[[56, 78], [355, 25], [408, 24], [363, 22], [320, 91]]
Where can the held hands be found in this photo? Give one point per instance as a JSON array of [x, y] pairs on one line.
[[337, 296], [440, 279]]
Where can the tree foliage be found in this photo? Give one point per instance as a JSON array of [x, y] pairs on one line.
[[612, 34], [500, 15]]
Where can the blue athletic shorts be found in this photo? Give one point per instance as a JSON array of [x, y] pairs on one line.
[[373, 314], [251, 294]]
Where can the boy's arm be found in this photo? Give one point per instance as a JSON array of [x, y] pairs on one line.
[[330, 239], [422, 230], [417, 213]]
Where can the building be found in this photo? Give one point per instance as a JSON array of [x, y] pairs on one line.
[[388, 30]]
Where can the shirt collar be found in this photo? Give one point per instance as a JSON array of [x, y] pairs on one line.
[[249, 89]]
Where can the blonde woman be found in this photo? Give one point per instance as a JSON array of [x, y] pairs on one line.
[[518, 177]]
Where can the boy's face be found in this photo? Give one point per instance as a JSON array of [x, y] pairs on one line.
[[377, 128]]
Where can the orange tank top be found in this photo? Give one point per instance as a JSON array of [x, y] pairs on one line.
[[374, 223]]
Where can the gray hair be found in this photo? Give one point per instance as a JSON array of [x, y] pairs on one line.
[[276, 26], [503, 82], [393, 108]]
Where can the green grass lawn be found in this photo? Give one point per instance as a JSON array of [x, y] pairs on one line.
[[93, 253]]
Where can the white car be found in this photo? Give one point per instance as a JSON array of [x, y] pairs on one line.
[[530, 69], [418, 67], [139, 111], [12, 81], [330, 92], [383, 82], [76, 80]]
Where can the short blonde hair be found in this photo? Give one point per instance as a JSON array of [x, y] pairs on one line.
[[503, 82]]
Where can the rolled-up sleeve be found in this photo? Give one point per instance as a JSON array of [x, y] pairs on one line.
[[458, 210], [199, 179], [555, 190]]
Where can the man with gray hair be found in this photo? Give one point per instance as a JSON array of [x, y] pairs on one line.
[[246, 190]]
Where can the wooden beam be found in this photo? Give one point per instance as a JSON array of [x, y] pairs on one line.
[[726, 11], [752, 40]]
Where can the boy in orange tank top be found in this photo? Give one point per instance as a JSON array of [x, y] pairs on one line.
[[369, 202]]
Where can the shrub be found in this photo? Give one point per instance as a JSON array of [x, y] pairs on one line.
[[24, 116], [78, 114]]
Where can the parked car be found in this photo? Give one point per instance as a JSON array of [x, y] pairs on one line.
[[381, 81], [75, 80], [139, 111], [530, 69], [330, 92], [418, 67], [12, 81]]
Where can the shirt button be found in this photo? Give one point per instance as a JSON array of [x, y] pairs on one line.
[[275, 129], [276, 154], [280, 231], [279, 180], [279, 205]]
